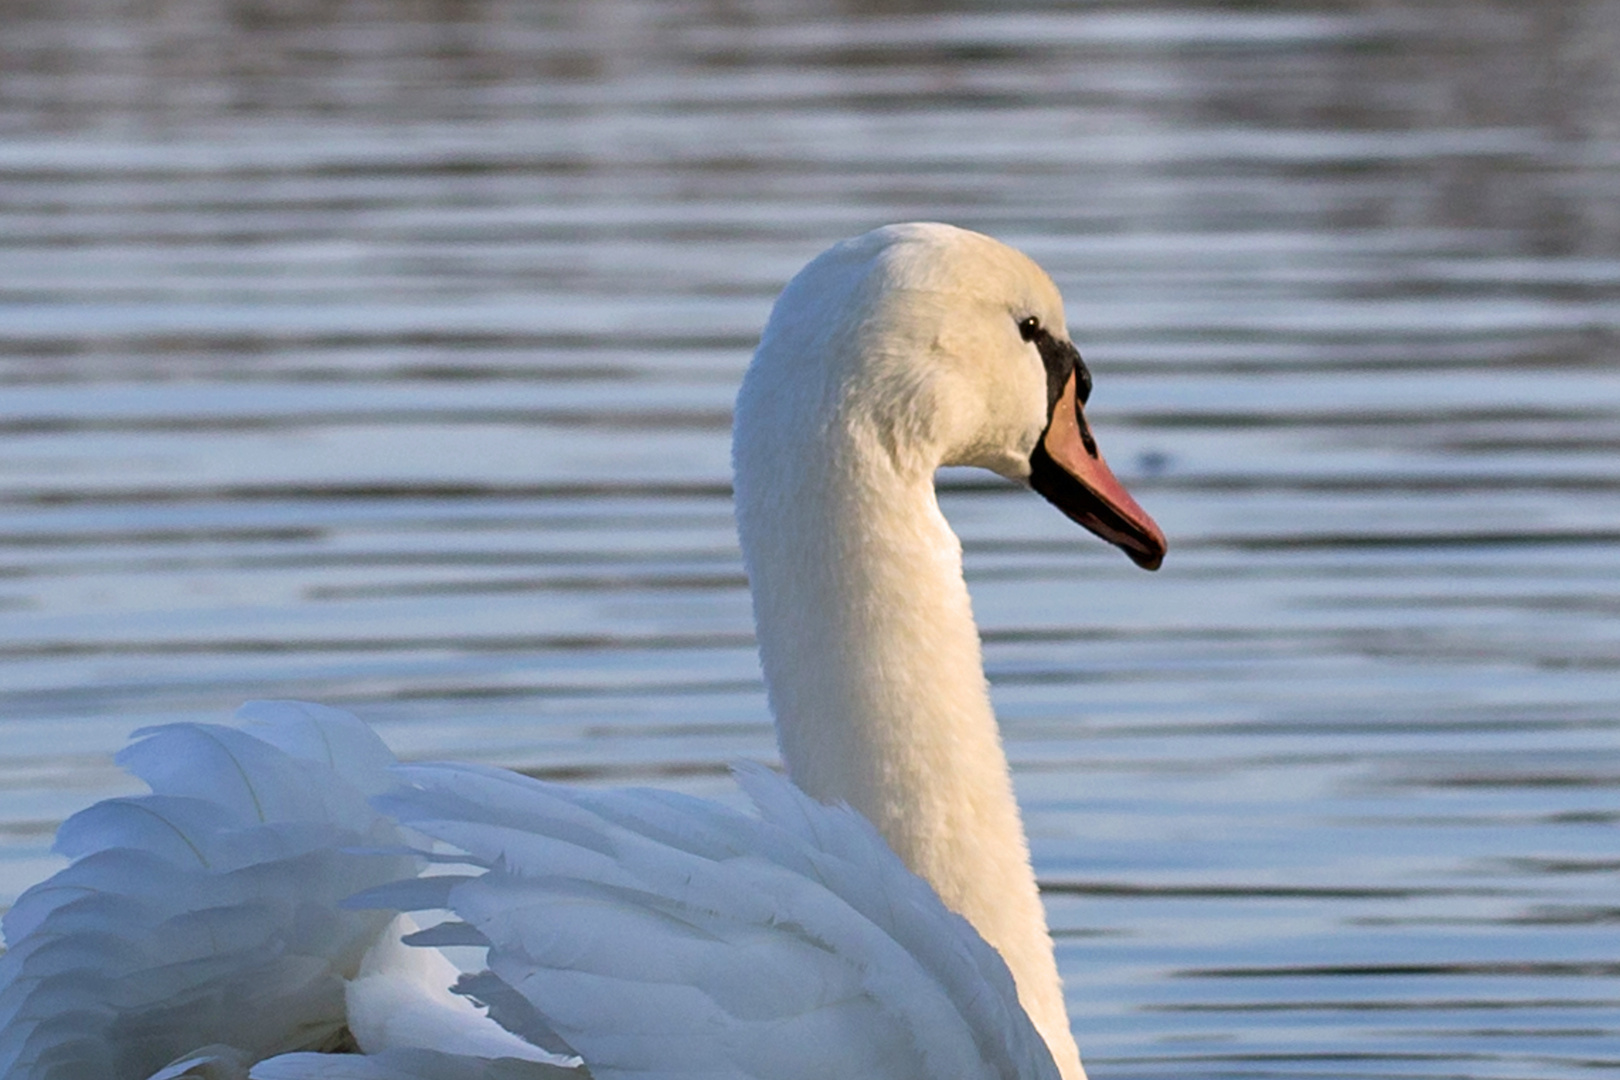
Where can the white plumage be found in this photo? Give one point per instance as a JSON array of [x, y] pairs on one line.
[[255, 907], [209, 906], [650, 933]]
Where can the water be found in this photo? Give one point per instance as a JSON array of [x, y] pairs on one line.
[[383, 355]]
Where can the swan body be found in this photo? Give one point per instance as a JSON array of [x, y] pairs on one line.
[[878, 916]]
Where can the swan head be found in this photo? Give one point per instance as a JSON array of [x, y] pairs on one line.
[[922, 345]]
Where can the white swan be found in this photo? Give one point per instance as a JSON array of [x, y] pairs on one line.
[[226, 918]]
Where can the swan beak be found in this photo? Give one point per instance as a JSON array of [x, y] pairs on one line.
[[1068, 470]]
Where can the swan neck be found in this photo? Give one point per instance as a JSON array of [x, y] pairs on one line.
[[873, 665]]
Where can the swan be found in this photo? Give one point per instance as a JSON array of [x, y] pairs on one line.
[[287, 887]]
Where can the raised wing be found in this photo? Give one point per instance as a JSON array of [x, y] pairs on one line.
[[207, 911], [664, 937]]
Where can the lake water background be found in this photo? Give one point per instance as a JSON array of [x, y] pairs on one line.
[[382, 354]]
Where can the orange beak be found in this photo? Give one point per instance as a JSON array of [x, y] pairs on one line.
[[1068, 470]]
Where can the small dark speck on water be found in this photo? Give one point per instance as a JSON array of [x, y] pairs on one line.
[[1153, 462]]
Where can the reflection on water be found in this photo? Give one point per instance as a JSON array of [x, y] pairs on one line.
[[383, 354]]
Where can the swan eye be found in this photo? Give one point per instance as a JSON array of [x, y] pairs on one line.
[[1029, 328]]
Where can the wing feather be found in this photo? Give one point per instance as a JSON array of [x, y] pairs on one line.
[[661, 936], [657, 936], [207, 911]]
